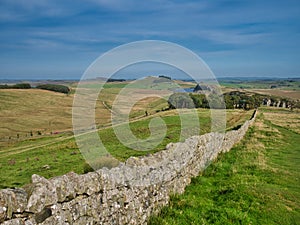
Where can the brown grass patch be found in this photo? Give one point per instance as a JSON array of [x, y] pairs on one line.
[[280, 93], [290, 120], [31, 113]]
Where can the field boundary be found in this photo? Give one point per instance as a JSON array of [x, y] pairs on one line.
[[127, 194]]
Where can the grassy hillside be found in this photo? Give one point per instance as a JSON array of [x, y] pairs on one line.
[[20, 160], [257, 182], [290, 94], [284, 88], [28, 114], [24, 113], [261, 83], [36, 131]]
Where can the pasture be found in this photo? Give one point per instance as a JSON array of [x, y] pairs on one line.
[[257, 182], [54, 151]]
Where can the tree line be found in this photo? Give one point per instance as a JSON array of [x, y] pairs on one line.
[[55, 87], [15, 86], [230, 100], [50, 87]]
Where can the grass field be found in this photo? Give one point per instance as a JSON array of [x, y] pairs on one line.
[[291, 94], [277, 84], [20, 160], [24, 113], [28, 114], [257, 182]]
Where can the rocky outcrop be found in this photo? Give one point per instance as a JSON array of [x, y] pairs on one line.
[[127, 194]]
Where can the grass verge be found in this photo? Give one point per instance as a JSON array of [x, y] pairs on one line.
[[257, 182]]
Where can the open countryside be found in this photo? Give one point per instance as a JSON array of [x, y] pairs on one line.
[[239, 187]]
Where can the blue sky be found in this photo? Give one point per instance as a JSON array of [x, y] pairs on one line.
[[59, 39]]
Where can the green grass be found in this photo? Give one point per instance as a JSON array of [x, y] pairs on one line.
[[16, 170], [245, 85], [18, 161], [148, 83], [103, 85], [257, 182], [262, 84]]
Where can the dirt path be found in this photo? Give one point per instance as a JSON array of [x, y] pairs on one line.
[[31, 146], [20, 149]]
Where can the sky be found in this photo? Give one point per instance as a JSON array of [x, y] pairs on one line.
[[59, 39]]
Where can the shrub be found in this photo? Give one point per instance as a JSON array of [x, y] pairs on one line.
[[115, 80], [55, 87], [22, 86], [16, 86], [199, 100], [4, 86], [166, 77]]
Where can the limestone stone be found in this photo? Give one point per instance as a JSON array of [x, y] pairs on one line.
[[12, 201], [41, 193], [126, 194]]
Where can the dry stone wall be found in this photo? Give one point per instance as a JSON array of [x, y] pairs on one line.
[[127, 194]]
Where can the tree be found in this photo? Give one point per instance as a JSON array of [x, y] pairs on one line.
[[16, 86], [54, 87], [166, 77], [180, 100], [229, 102], [199, 100], [22, 86], [215, 102]]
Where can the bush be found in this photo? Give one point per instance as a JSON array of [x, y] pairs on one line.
[[16, 86], [4, 86], [115, 80], [199, 100], [55, 87], [22, 86], [166, 77]]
